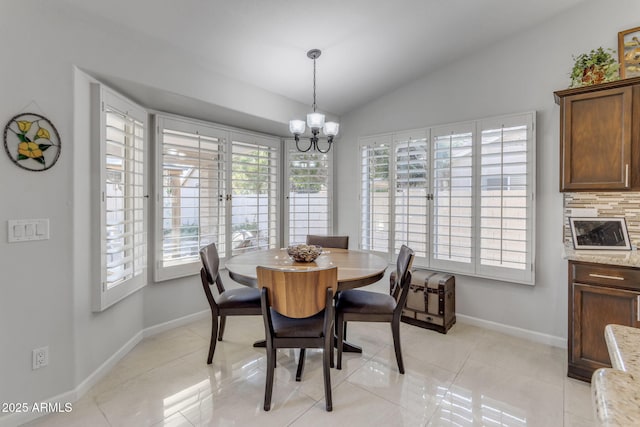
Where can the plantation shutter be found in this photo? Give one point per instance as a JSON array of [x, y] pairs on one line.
[[123, 204], [254, 192], [411, 206], [309, 194], [192, 189], [506, 197], [375, 158], [452, 178]]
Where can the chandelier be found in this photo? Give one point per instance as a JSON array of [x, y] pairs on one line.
[[315, 121]]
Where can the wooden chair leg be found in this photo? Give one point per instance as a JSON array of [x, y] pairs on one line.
[[212, 343], [341, 327], [268, 389], [395, 330], [332, 341], [300, 364], [336, 325], [223, 322], [326, 352]]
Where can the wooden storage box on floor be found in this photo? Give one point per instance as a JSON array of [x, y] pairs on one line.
[[431, 302]]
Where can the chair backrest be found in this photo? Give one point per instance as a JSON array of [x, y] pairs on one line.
[[340, 242], [297, 294], [403, 275], [211, 265]]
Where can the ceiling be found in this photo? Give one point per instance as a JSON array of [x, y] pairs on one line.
[[369, 47]]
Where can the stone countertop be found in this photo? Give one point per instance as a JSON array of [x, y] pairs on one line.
[[623, 343], [614, 257], [616, 396], [616, 391]]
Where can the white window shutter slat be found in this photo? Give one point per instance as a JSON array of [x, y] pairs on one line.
[[309, 194]]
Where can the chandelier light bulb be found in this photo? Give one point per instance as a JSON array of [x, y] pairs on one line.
[[331, 128], [315, 120], [296, 127]]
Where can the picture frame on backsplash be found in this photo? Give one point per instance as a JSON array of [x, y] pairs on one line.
[[600, 233]]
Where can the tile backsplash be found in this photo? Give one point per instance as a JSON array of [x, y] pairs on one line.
[[607, 204]]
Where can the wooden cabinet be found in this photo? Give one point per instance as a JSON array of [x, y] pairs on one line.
[[599, 137], [598, 295]]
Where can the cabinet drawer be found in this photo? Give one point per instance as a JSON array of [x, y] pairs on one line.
[[606, 275]]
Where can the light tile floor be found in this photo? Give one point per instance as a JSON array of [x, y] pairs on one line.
[[468, 377]]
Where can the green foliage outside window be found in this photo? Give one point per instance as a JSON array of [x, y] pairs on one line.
[[307, 174], [250, 172]]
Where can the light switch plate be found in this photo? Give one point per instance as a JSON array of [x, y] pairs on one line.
[[23, 230]]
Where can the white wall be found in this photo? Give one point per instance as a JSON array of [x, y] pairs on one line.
[[513, 76], [45, 291]]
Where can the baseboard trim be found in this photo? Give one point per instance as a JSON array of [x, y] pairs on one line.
[[93, 378], [181, 321], [514, 331], [104, 369]]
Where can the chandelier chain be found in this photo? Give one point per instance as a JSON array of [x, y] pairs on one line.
[[314, 85]]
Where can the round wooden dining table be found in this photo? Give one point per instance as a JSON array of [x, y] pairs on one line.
[[355, 268]]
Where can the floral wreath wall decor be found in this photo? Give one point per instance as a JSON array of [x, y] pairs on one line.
[[32, 142]]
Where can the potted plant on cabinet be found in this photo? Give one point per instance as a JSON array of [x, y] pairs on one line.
[[597, 66]]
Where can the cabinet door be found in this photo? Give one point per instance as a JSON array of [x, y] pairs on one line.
[[596, 140], [594, 307]]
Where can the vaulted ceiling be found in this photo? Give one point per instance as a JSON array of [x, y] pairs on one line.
[[370, 47]]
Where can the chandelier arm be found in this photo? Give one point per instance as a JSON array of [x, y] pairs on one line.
[[328, 148], [298, 146]]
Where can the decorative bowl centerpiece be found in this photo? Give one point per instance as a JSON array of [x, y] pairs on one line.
[[304, 253]]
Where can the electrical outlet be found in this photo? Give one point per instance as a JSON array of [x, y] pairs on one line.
[[40, 357]]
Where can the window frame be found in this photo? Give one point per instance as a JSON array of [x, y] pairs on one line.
[[103, 97], [290, 147], [474, 268], [227, 136], [527, 275], [399, 140], [382, 141], [447, 264], [238, 136], [180, 124]]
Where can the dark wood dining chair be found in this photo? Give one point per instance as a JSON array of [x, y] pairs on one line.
[[243, 301], [366, 306], [340, 242], [297, 308]]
